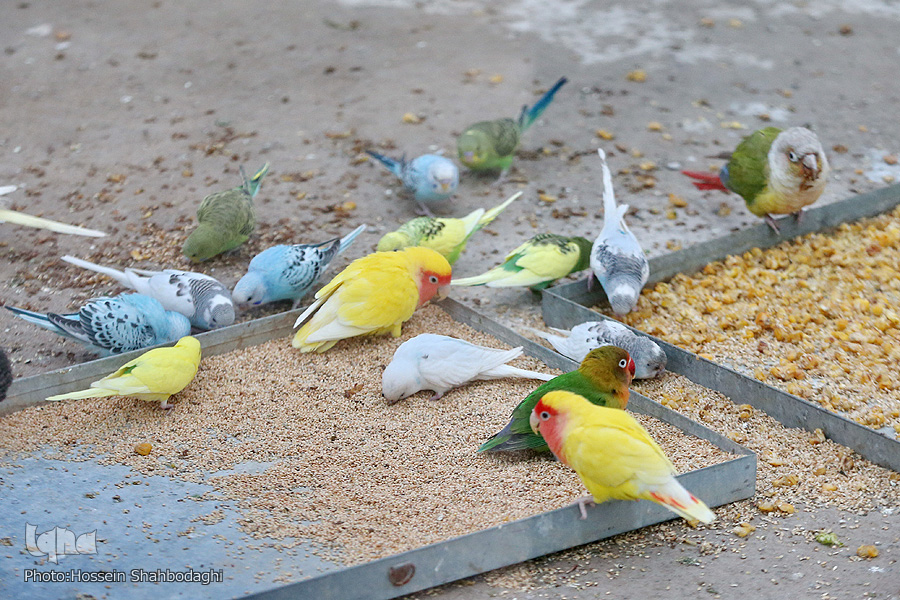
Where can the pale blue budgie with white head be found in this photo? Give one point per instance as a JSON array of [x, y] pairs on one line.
[[430, 178], [288, 272], [115, 325], [202, 299], [617, 258]]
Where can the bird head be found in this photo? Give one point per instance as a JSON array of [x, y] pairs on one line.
[[551, 415], [609, 367], [192, 344], [398, 381], [623, 298], [443, 176], [652, 360], [431, 271], [395, 240], [472, 148], [798, 152], [203, 243], [251, 290], [221, 314]]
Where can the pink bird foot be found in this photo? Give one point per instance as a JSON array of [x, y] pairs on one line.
[[771, 223], [582, 504]]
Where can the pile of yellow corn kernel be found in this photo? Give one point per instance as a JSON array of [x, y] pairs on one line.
[[818, 316]]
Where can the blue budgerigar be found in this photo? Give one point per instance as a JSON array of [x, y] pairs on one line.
[[115, 325], [288, 272], [430, 178]]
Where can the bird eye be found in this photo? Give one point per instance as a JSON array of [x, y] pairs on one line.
[[545, 415], [792, 156], [433, 279], [623, 363]]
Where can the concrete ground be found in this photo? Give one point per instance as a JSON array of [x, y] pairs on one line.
[[122, 116]]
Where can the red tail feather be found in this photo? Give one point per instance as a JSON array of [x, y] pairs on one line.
[[707, 181]]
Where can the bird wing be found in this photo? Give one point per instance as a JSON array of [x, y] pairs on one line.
[[116, 325], [748, 170]]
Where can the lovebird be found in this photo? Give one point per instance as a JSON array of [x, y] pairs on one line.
[[153, 376], [649, 358], [537, 263], [441, 363], [20, 218], [430, 178], [225, 219], [491, 145], [373, 295], [446, 235], [202, 299], [114, 325], [603, 378], [776, 172], [617, 259], [612, 454], [6, 376], [287, 272]]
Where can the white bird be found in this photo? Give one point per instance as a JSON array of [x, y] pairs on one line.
[[19, 218], [616, 257], [649, 358], [440, 363], [203, 300]]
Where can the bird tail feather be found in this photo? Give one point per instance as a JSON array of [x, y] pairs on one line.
[[673, 496], [530, 115], [17, 218], [252, 185], [81, 394], [706, 181], [504, 371], [557, 341], [109, 271], [348, 239], [394, 166], [494, 212], [34, 318]]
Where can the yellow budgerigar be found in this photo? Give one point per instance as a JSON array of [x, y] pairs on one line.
[[373, 295], [613, 455], [153, 376]]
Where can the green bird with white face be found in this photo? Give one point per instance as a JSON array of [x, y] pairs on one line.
[[776, 172], [226, 219], [491, 145]]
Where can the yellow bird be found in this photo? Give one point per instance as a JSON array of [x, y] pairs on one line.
[[373, 295], [153, 376], [612, 454]]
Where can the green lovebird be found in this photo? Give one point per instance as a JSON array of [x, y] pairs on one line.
[[537, 263], [776, 172], [226, 219], [603, 378], [446, 235], [491, 145]]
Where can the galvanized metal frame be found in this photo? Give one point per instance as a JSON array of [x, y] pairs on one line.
[[467, 555], [565, 306]]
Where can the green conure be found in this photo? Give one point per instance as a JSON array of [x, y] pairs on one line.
[[491, 145], [537, 263], [226, 219], [603, 378]]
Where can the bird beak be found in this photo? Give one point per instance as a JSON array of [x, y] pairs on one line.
[[535, 423], [445, 187], [811, 166], [443, 292]]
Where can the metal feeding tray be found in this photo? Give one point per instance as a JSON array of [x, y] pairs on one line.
[[567, 305], [46, 505]]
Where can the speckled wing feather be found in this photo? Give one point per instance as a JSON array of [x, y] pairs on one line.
[[108, 324], [305, 263], [504, 133], [229, 211]]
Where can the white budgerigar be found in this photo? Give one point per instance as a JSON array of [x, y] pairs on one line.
[[202, 299], [616, 257], [440, 363], [649, 358]]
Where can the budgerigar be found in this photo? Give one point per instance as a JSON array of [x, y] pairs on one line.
[[114, 325], [649, 358], [537, 263], [153, 376], [491, 145], [446, 235], [612, 454], [202, 299], [430, 178], [603, 378], [19, 218], [373, 295], [776, 172], [440, 363], [288, 272], [225, 219], [6, 377], [617, 259]]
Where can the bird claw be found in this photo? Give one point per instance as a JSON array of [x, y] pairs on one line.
[[771, 223], [437, 396], [583, 503], [424, 211]]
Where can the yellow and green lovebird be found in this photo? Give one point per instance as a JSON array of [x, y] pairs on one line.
[[226, 219], [153, 376], [491, 145], [446, 235], [776, 172], [612, 454]]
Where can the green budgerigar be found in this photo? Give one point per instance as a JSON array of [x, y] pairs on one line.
[[537, 263], [603, 377], [226, 219], [491, 145], [776, 172], [446, 235]]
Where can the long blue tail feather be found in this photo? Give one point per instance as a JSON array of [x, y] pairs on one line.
[[530, 115]]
